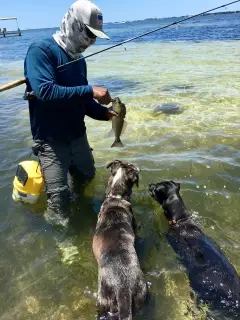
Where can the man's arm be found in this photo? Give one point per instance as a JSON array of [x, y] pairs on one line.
[[96, 111], [41, 74]]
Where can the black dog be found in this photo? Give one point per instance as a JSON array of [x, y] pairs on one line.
[[211, 275], [121, 286]]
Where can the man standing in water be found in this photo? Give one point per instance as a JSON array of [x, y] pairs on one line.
[[60, 100]]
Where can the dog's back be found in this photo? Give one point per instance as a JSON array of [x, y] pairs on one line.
[[121, 283], [121, 286], [211, 274]]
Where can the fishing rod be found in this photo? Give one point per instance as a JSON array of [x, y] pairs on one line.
[[23, 80], [147, 33]]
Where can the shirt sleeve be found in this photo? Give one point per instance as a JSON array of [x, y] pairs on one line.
[[96, 111], [41, 74]]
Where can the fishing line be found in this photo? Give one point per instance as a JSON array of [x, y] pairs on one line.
[[147, 33]]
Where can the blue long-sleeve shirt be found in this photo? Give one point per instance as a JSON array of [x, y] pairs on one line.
[[63, 96]]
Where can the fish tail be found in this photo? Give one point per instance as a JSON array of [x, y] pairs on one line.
[[117, 143]]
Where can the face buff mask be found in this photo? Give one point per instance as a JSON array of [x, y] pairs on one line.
[[73, 36]]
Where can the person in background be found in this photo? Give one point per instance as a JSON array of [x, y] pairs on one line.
[[60, 98]]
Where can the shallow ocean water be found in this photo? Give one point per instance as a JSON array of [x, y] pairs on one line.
[[46, 270]]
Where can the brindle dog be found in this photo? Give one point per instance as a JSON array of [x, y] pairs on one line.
[[211, 275], [121, 285]]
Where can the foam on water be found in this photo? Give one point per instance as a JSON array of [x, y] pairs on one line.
[[69, 251]]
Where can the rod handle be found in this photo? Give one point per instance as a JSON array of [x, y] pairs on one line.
[[13, 84]]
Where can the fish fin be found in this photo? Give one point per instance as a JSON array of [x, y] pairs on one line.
[[125, 124], [110, 133], [117, 144]]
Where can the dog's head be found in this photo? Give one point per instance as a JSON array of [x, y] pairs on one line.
[[162, 190], [123, 175]]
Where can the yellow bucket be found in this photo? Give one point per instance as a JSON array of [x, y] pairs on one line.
[[28, 182]]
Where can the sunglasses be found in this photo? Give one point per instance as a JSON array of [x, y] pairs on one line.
[[90, 34]]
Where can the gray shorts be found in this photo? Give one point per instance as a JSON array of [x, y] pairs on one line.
[[57, 159]]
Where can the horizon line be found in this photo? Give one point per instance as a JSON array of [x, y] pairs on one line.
[[155, 18]]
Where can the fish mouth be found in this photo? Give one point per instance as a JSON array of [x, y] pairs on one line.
[[116, 100]]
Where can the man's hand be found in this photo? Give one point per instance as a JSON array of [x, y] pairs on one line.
[[101, 95], [111, 113]]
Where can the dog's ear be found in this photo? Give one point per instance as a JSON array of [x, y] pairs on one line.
[[134, 177], [112, 163], [109, 165], [137, 180], [158, 191], [177, 184]]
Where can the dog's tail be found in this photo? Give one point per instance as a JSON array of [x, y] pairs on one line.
[[124, 301]]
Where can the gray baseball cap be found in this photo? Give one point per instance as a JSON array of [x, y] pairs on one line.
[[91, 17]]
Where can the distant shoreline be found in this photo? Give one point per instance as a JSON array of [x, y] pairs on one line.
[[179, 17], [119, 22]]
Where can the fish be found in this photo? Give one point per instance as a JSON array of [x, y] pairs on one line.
[[118, 122], [168, 108]]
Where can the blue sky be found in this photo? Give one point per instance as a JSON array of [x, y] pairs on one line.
[[49, 13]]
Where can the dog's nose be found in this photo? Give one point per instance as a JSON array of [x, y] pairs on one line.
[[150, 186]]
